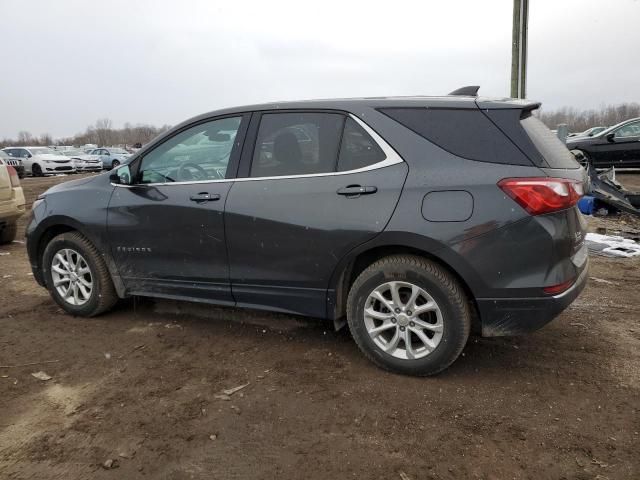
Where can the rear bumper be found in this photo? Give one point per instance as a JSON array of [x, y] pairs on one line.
[[516, 316]]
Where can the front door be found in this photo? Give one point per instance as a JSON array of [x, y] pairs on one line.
[[166, 231], [308, 199]]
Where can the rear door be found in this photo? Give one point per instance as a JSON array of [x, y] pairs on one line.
[[167, 231], [316, 184]]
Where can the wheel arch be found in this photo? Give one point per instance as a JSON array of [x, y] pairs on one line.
[[58, 225], [394, 243]]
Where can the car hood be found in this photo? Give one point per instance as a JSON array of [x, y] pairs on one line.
[[72, 184], [48, 156], [86, 157], [573, 142]]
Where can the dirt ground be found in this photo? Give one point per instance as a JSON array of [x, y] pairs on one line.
[[141, 386]]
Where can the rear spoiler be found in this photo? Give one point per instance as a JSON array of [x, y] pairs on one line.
[[526, 106]]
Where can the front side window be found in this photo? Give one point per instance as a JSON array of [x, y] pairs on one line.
[[629, 130], [296, 144], [199, 153], [358, 149]]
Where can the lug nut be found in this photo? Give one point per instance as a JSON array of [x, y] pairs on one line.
[[402, 329], [397, 310], [393, 320], [411, 324], [408, 312]]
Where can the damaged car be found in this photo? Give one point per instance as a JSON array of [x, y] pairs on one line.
[[617, 146], [414, 221]]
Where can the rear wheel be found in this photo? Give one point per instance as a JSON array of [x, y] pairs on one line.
[[8, 233], [115, 164], [408, 315], [36, 171], [77, 276]]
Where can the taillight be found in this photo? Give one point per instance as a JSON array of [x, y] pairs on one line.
[[561, 287], [544, 194], [13, 176]]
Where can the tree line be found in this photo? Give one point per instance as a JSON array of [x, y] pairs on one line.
[[579, 120], [101, 133]]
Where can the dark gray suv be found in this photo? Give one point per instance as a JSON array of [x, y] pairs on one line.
[[414, 220]]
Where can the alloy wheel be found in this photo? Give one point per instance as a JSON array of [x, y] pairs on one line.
[[403, 320], [71, 277]]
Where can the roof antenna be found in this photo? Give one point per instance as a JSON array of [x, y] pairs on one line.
[[471, 91]]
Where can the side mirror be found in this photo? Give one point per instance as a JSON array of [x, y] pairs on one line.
[[611, 137], [121, 175]]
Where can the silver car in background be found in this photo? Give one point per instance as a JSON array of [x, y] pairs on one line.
[[83, 162], [111, 157]]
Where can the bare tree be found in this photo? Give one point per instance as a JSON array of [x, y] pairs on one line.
[[103, 131], [25, 138], [580, 120]]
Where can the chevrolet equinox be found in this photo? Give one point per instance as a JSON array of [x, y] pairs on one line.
[[413, 220]]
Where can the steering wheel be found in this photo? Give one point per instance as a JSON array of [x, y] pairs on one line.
[[185, 174]]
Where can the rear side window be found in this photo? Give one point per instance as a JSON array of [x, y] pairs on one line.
[[357, 149], [467, 133], [550, 147], [296, 144]]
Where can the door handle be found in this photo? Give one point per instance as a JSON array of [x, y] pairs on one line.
[[356, 190], [204, 197]]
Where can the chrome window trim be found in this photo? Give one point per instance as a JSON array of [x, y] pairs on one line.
[[391, 158]]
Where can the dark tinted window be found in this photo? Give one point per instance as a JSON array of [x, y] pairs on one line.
[[296, 144], [358, 149], [548, 144], [465, 133]]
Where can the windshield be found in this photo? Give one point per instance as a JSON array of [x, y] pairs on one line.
[[43, 151], [606, 131]]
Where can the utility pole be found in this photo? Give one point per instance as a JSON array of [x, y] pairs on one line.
[[519, 48]]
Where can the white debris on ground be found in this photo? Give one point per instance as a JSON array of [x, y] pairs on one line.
[[612, 246]]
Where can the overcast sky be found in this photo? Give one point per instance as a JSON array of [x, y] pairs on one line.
[[67, 63]]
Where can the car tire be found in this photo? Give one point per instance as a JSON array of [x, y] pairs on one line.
[[438, 292], [75, 247], [36, 170], [115, 164], [8, 233]]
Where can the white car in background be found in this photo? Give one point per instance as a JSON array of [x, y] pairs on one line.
[[83, 162], [40, 161]]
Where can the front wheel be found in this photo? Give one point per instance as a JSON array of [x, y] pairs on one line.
[[115, 164], [36, 171], [77, 276], [408, 315]]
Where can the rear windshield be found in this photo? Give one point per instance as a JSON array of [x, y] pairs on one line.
[[550, 147]]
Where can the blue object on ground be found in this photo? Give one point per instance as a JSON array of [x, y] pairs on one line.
[[587, 205]]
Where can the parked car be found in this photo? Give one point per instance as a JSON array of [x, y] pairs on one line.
[[415, 220], [83, 162], [39, 161], [14, 162], [617, 146], [111, 157], [12, 204], [590, 132]]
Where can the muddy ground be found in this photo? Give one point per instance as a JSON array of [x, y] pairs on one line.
[[138, 386]]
